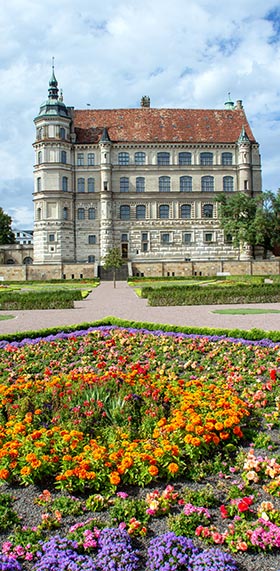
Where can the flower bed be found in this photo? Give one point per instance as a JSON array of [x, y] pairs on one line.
[[94, 412]]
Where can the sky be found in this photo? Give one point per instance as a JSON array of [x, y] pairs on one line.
[[182, 53]]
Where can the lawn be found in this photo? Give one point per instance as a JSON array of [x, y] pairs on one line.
[[155, 436], [245, 311]]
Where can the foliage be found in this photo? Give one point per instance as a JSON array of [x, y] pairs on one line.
[[7, 236], [212, 295], [113, 261], [59, 299], [252, 220]]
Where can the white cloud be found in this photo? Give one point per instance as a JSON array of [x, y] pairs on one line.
[[182, 54]]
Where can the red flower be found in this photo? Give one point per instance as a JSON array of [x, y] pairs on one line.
[[272, 374], [244, 504], [223, 511]]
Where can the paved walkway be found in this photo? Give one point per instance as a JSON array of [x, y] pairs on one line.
[[122, 302]]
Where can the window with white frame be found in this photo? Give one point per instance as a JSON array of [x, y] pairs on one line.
[[125, 212], [207, 184], [65, 213], [62, 133], [51, 237], [81, 214], [90, 185], [140, 212], [185, 211], [140, 184], [63, 157], [81, 185], [206, 159], [124, 184], [165, 237], [80, 159], [39, 184], [228, 183], [91, 213], [163, 159], [208, 211], [64, 183], [92, 239], [208, 237], [187, 237], [226, 159], [90, 159], [185, 183], [163, 211], [39, 157], [185, 158], [140, 158], [123, 158], [164, 184], [38, 213]]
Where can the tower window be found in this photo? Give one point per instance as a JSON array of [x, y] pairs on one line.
[[80, 159], [91, 159], [39, 184], [40, 158], [62, 133], [63, 157], [65, 213], [64, 183]]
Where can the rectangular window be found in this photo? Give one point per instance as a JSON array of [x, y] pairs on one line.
[[144, 236], [80, 159], [187, 237], [165, 238], [92, 239], [144, 246], [163, 159], [124, 237], [90, 159], [208, 237], [51, 237]]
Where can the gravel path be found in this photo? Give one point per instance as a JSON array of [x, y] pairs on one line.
[[122, 302]]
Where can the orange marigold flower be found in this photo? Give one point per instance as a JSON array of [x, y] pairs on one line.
[[114, 478], [4, 474], [25, 471], [219, 426], [172, 467], [153, 470]]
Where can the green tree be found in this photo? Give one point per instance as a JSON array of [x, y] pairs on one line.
[[237, 213], [267, 221], [113, 261], [6, 234]]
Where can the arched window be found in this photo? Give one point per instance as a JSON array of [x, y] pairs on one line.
[[228, 184], [164, 183], [65, 213], [140, 212], [186, 211], [90, 185], [163, 211], [27, 261], [124, 184], [39, 157], [91, 159], [185, 158], [125, 212], [64, 183], [207, 183], [81, 213], [38, 214], [208, 210], [10, 261], [185, 183], [140, 184], [226, 159], [140, 158], [63, 157], [163, 158], [206, 159], [39, 184], [91, 213], [81, 185], [123, 158]]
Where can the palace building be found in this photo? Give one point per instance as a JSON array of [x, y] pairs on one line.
[[141, 179]]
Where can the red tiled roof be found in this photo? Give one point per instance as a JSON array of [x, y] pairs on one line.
[[148, 125]]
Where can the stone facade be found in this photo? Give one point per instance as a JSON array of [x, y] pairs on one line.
[[144, 180]]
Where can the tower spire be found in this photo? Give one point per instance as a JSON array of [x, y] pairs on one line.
[[53, 89]]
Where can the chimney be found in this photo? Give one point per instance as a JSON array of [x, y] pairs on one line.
[[145, 101], [239, 104]]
